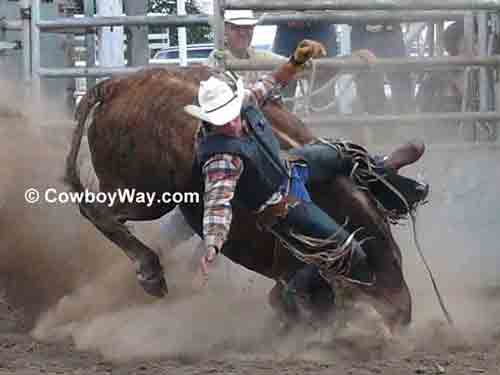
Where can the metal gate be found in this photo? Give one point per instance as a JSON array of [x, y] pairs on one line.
[[343, 11]]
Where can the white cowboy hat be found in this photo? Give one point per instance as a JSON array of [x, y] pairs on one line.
[[218, 102], [240, 17]]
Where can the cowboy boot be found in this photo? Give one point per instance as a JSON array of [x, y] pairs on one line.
[[413, 192], [404, 155], [301, 293]]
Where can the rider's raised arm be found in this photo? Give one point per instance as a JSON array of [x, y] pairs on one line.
[[268, 84], [272, 83]]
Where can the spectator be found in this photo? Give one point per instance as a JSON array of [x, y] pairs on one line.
[[289, 34], [239, 26], [443, 91], [384, 40]]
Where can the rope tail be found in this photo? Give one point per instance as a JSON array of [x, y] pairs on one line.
[[422, 257]]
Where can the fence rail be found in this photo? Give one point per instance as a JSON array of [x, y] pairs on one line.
[[286, 5], [345, 12], [346, 17], [422, 119], [88, 72], [14, 25], [345, 65], [92, 22], [409, 64]]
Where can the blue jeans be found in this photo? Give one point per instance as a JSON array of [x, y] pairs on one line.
[[287, 38], [324, 163], [384, 44]]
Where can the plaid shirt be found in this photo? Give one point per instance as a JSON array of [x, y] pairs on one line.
[[222, 172]]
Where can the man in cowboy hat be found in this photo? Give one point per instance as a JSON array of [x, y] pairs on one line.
[[443, 91], [239, 26], [239, 158]]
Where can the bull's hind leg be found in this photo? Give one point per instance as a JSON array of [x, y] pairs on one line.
[[148, 267]]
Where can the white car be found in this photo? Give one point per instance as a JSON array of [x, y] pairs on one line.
[[196, 53]]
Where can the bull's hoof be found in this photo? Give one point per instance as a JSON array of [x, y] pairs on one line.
[[151, 278]]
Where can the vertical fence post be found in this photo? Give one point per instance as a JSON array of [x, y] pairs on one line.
[[439, 36], [484, 73], [25, 17], [35, 57], [493, 50], [3, 31], [89, 10], [482, 21], [468, 129], [218, 27], [138, 43], [181, 34], [429, 41], [68, 11]]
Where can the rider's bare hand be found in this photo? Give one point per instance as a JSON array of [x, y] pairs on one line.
[[207, 259]]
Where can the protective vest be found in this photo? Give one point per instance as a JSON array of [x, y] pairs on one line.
[[264, 172]]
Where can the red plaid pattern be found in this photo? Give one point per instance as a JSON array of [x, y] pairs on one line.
[[221, 176]]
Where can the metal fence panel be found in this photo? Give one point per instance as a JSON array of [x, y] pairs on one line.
[[92, 22], [408, 64], [362, 4], [422, 119], [346, 17]]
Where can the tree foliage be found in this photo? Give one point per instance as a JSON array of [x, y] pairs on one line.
[[195, 34]]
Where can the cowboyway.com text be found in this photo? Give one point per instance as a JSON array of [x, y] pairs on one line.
[[51, 195]]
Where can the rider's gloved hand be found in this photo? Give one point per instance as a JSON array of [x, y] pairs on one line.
[[306, 50]]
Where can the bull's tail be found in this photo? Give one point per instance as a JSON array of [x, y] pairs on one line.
[[83, 115]]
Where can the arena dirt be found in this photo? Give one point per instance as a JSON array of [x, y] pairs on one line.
[[71, 303]]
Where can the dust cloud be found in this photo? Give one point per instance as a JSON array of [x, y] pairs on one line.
[[68, 282]]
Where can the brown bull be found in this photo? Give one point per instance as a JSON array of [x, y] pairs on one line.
[[140, 137]]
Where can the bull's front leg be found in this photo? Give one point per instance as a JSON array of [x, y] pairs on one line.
[[148, 268]]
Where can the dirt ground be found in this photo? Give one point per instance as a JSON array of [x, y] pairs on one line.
[[70, 302]]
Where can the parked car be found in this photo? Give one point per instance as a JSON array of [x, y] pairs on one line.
[[196, 53]]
